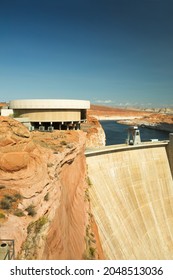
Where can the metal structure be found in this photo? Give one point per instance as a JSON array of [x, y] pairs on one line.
[[7, 251], [133, 136]]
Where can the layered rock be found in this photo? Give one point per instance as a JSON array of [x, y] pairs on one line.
[[156, 121], [50, 217], [107, 113], [95, 134]]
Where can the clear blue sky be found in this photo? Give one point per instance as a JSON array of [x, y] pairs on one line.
[[107, 51]]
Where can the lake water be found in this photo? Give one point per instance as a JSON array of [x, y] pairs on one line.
[[117, 133]]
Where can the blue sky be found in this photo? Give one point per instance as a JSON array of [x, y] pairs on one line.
[[114, 52]]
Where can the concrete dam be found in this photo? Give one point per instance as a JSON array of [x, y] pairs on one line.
[[132, 200]]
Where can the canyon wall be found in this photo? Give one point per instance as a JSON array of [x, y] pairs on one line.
[[44, 201]]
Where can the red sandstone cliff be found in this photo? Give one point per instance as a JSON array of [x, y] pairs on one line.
[[44, 187]]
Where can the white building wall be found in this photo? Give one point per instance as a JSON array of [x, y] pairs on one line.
[[6, 112]]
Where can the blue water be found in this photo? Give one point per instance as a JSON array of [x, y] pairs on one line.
[[117, 133]]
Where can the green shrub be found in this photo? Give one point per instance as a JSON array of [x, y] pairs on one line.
[[46, 197], [13, 198], [37, 225], [18, 196], [50, 164], [5, 204], [63, 143], [8, 197], [89, 181], [2, 216], [31, 211], [92, 252], [40, 223], [19, 213], [7, 200], [87, 197]]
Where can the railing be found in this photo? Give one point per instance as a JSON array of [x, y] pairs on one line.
[[7, 251]]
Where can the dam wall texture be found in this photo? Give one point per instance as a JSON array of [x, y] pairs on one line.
[[132, 201]]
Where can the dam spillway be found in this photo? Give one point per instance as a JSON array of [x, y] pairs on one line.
[[132, 201]]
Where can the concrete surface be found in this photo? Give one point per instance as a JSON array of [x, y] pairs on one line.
[[49, 104], [132, 202]]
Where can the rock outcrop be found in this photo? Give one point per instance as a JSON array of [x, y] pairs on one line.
[[44, 200], [95, 135], [159, 121]]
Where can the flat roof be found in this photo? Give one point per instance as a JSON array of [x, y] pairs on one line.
[[49, 104]]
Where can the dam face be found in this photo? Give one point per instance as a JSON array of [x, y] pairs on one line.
[[132, 202]]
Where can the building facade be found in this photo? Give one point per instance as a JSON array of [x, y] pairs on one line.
[[49, 114]]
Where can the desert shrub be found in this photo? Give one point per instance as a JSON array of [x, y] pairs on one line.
[[2, 187], [7, 200], [63, 142], [40, 223], [92, 252], [89, 181], [2, 216], [12, 198], [50, 164], [89, 254], [19, 213], [46, 197], [37, 225], [5, 203], [31, 211], [9, 197], [18, 196], [87, 197]]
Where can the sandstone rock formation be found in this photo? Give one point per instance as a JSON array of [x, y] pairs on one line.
[[95, 136], [44, 200], [156, 121]]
